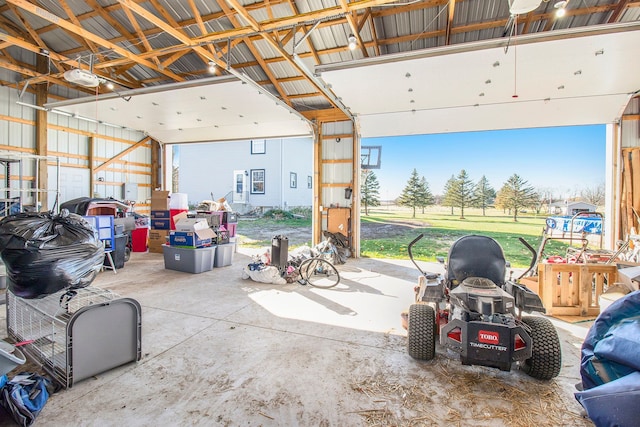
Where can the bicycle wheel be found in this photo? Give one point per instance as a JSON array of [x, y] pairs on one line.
[[320, 273]]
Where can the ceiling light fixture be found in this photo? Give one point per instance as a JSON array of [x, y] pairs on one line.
[[211, 68], [110, 85], [519, 7], [353, 42], [561, 8]]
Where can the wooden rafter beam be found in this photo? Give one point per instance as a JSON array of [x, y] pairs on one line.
[[527, 23], [166, 27], [353, 26], [617, 12], [72, 17], [34, 34], [374, 35], [136, 26], [265, 67], [29, 7], [36, 49], [273, 43], [450, 14], [198, 17], [290, 21]]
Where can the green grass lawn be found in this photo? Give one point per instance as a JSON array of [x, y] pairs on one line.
[[397, 229], [441, 229]]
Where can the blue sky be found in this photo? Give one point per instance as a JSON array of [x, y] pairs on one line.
[[564, 159]]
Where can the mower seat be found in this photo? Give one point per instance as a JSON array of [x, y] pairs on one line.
[[475, 256]]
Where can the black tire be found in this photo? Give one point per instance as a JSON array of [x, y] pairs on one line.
[[546, 357], [127, 254], [320, 273], [421, 332]]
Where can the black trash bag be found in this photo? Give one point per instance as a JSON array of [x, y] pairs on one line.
[[46, 253]]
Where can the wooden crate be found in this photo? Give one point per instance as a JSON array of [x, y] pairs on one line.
[[574, 289]]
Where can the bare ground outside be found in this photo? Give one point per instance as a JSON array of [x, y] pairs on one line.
[[258, 233]]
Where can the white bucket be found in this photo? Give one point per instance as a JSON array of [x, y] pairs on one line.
[[179, 201]]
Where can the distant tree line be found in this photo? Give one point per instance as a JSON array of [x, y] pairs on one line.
[[461, 192]]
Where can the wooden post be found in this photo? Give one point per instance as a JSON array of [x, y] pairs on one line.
[[42, 148], [628, 173]]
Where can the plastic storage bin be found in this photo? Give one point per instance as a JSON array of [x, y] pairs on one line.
[[189, 260], [224, 255]]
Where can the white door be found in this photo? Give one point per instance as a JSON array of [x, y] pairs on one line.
[[239, 186], [74, 183]]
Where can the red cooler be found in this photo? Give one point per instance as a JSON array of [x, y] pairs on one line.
[[139, 237], [174, 212]]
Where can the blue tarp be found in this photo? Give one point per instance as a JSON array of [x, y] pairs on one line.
[[591, 225], [610, 365]]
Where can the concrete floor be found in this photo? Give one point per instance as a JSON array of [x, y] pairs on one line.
[[222, 351]]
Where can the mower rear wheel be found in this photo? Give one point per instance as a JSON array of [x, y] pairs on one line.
[[421, 332], [546, 357]]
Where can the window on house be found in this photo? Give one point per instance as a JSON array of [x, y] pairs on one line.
[[293, 180], [258, 146], [257, 181]]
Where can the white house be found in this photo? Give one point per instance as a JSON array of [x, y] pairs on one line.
[[272, 173]]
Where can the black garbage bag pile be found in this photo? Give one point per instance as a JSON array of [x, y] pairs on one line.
[[45, 253]]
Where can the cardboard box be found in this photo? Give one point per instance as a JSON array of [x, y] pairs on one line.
[[160, 200], [187, 239], [161, 214], [191, 224], [157, 238], [629, 277], [161, 224]]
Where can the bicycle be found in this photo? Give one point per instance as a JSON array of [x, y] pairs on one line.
[[315, 271]]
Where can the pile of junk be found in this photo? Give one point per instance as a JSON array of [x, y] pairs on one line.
[[44, 253], [126, 223]]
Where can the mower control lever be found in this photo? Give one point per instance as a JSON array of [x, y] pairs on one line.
[[428, 276]]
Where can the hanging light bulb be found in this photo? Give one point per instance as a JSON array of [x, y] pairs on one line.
[[353, 42], [110, 85], [212, 67], [561, 8]]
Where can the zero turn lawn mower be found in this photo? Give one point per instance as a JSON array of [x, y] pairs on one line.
[[477, 312]]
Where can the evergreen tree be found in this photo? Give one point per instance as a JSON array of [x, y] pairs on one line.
[[369, 190], [449, 187], [518, 194], [484, 194], [411, 195], [463, 192], [427, 198]]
